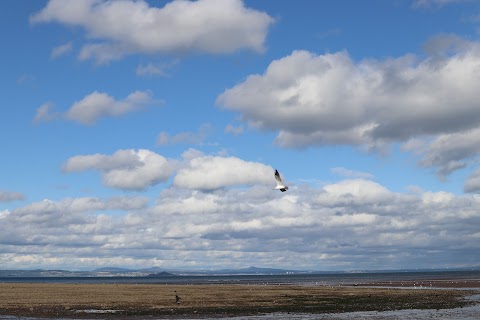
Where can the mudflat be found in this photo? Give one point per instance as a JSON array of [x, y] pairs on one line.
[[197, 301]]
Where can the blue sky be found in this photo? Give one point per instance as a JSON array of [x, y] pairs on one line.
[[146, 133]]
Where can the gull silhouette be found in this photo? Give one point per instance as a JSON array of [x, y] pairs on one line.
[[280, 186]]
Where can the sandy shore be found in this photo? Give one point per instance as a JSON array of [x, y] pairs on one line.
[[125, 300]]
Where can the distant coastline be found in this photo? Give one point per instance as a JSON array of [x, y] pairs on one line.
[[446, 279], [159, 272]]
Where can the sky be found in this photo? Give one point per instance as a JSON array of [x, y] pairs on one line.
[[144, 134]]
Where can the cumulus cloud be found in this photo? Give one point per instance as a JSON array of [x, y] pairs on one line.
[[140, 169], [330, 99], [95, 106], [115, 29], [447, 152], [473, 182], [304, 94], [73, 226], [204, 220], [209, 173], [356, 191], [349, 224], [82, 205], [98, 104], [125, 169]]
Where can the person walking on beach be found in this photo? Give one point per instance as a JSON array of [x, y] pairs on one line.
[[177, 298]]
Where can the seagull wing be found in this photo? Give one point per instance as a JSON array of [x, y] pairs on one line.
[[277, 177]]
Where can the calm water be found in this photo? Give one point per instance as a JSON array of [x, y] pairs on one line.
[[303, 279]]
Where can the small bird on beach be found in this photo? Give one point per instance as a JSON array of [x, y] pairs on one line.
[[280, 186]]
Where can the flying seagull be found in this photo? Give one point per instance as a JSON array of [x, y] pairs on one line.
[[280, 185]]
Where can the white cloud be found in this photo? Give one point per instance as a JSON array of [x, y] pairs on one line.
[[81, 205], [4, 213], [45, 113], [61, 50], [150, 69], [304, 95], [125, 169], [209, 172], [62, 229], [473, 182], [447, 152], [98, 104], [356, 191], [233, 130], [351, 224], [158, 69], [191, 153], [204, 220], [8, 196], [139, 169], [434, 3], [341, 171], [185, 137], [95, 106], [120, 28], [319, 100]]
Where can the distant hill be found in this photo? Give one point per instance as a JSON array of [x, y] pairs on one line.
[[152, 270], [162, 274], [255, 270], [147, 272], [111, 269], [38, 273]]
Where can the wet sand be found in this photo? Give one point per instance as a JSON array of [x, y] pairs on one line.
[[202, 301]]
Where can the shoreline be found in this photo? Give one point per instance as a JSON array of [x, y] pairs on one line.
[[48, 300], [429, 283]]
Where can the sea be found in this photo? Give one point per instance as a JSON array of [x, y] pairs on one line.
[[334, 279], [325, 279]]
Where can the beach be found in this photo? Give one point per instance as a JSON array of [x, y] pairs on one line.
[[68, 300]]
